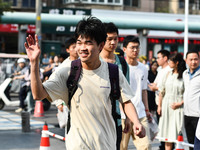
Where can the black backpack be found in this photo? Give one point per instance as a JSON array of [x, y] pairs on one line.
[[72, 84]]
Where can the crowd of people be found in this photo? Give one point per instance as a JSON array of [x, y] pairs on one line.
[[162, 89]]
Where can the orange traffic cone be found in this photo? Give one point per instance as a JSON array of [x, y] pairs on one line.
[[45, 144], [39, 110], [179, 145]]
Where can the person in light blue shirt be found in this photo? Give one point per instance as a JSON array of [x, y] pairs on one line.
[[45, 60], [191, 78]]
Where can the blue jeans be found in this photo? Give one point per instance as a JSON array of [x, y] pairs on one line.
[[196, 144]]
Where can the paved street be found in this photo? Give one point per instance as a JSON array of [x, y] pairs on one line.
[[12, 137]]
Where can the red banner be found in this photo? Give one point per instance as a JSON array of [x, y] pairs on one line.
[[13, 28]]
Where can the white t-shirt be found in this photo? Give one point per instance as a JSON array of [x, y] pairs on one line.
[[159, 79], [92, 124], [138, 82], [65, 63]]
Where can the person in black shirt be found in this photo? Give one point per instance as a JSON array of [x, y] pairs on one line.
[[151, 95]]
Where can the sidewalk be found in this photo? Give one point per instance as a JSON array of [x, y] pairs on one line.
[[12, 137]]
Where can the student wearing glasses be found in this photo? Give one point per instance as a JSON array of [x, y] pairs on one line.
[[138, 74]]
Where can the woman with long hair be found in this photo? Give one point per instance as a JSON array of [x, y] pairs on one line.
[[170, 105], [152, 73]]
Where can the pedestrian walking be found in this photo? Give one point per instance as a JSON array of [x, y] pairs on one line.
[[191, 78], [107, 54], [92, 124], [152, 73], [138, 81], [162, 59], [170, 106]]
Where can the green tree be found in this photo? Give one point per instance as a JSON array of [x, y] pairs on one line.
[[4, 6]]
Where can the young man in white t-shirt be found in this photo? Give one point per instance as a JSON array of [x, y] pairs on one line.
[[107, 54], [138, 74], [92, 124], [162, 59]]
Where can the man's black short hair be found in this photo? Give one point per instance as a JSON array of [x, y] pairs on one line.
[[111, 28], [63, 55], [130, 38], [164, 53], [91, 27], [69, 42], [192, 51]]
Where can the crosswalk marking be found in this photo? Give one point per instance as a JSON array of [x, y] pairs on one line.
[[9, 121]]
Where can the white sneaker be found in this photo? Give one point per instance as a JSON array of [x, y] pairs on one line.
[[19, 110]]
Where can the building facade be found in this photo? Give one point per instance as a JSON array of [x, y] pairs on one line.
[[54, 37]]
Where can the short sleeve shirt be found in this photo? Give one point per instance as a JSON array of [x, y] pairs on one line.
[[159, 79], [138, 82], [92, 124]]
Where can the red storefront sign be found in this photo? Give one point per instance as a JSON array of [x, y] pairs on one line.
[[8, 27], [13, 28]]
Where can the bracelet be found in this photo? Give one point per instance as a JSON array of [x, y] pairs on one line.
[[146, 110]]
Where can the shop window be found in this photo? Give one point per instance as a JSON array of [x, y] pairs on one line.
[[135, 3], [28, 3], [132, 3], [14, 2], [181, 3], [127, 2]]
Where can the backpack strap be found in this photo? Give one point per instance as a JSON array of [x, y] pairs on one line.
[[74, 76], [72, 84], [115, 90], [123, 63]]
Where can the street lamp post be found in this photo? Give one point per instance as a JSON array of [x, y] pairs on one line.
[[38, 20], [186, 28]]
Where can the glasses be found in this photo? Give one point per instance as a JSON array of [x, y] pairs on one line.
[[134, 47]]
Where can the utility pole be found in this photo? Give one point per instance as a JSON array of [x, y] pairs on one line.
[[186, 28], [38, 6]]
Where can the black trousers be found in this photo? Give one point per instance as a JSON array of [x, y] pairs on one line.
[[119, 136], [22, 96], [190, 128], [196, 144]]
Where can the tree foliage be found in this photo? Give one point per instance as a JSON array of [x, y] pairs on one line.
[[4, 6]]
